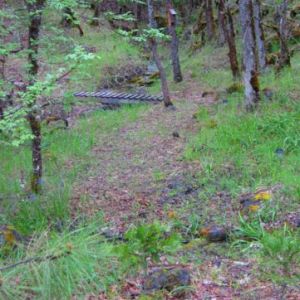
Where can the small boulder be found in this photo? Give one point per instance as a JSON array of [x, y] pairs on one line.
[[268, 93], [214, 234], [175, 134], [168, 279], [9, 236], [236, 87]]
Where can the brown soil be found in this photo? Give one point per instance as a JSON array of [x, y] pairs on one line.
[[122, 182]]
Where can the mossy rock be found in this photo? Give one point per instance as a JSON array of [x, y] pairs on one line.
[[9, 236], [272, 58], [161, 21], [167, 279], [295, 11], [211, 124], [196, 46], [295, 31], [236, 87]]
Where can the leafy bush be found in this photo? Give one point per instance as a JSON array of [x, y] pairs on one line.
[[146, 241]]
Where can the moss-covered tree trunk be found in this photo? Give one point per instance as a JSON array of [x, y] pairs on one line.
[[229, 37], [259, 34], [153, 46], [251, 81], [177, 75], [35, 9]]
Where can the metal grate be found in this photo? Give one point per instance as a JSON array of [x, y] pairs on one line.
[[119, 98]]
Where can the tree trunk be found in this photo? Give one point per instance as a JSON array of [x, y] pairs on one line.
[[153, 45], [221, 21], [249, 55], [177, 75], [281, 18], [35, 21], [37, 161], [210, 26], [229, 37], [95, 21], [259, 34]]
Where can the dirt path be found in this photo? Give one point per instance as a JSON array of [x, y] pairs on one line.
[[133, 165], [129, 182]]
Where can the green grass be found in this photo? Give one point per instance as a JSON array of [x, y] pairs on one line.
[[66, 153], [72, 262], [246, 143], [67, 156]]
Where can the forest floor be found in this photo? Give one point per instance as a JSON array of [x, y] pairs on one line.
[[134, 165], [187, 168], [139, 175]]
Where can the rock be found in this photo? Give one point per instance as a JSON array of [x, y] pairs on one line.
[[111, 234], [214, 234], [175, 134], [225, 101], [168, 279], [268, 93], [236, 87], [9, 236]]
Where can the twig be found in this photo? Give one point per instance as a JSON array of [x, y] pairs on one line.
[[35, 259]]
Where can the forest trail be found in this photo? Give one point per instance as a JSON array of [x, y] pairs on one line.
[[131, 167]]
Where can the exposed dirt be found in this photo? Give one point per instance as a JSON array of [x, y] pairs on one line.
[[135, 164], [136, 171]]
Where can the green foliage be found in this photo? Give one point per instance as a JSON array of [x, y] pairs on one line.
[[147, 241], [77, 262], [280, 256], [248, 143]]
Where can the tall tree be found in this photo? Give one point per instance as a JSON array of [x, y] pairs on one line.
[[153, 46], [35, 9], [251, 80], [225, 16], [172, 20], [282, 32], [97, 10], [259, 34], [209, 16]]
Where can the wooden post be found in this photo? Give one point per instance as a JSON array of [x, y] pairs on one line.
[[177, 75]]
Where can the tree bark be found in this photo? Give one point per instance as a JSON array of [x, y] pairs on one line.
[[177, 75], [229, 37], [281, 18], [153, 46], [35, 21], [97, 10], [221, 21], [251, 81], [259, 34], [210, 26]]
